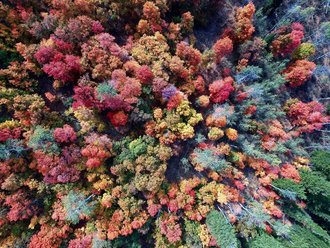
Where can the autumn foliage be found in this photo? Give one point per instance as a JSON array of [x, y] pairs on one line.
[[119, 127], [286, 42], [299, 72], [220, 90]]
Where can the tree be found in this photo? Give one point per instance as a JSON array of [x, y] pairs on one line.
[[144, 74], [289, 189], [98, 148], [207, 159], [117, 119], [299, 72], [84, 242], [191, 234], [58, 168], [192, 56], [65, 134], [231, 134], [21, 207], [64, 67], [117, 131], [304, 51], [222, 48], [152, 21], [78, 30], [18, 75], [77, 206], [243, 26], [305, 116], [289, 171], [303, 238], [42, 139], [221, 230], [11, 148], [265, 240], [170, 228], [249, 74], [320, 161], [221, 89], [101, 55], [317, 191], [300, 216], [49, 236], [287, 43]]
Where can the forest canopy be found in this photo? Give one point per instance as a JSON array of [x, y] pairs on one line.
[[164, 123]]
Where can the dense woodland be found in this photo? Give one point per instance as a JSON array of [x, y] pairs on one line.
[[166, 123]]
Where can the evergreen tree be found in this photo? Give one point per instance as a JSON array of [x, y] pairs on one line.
[[77, 205], [221, 230], [318, 193], [289, 189], [321, 162], [12, 148], [301, 237], [192, 229], [42, 139], [265, 240], [209, 160]]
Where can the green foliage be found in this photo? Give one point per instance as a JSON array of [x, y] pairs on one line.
[[4, 116], [317, 189], [221, 230], [68, 101], [255, 216], [185, 164], [325, 29], [321, 162], [301, 217], [306, 13], [263, 93], [302, 238], [251, 149], [281, 229], [123, 153], [200, 138], [318, 193], [12, 148], [138, 147], [289, 189], [295, 147], [209, 160], [131, 241], [6, 57], [10, 93], [77, 205], [269, 38], [105, 90], [249, 74], [18, 228], [265, 241], [42, 139], [128, 149], [273, 70], [304, 51], [192, 230], [142, 111], [100, 243], [23, 241]]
